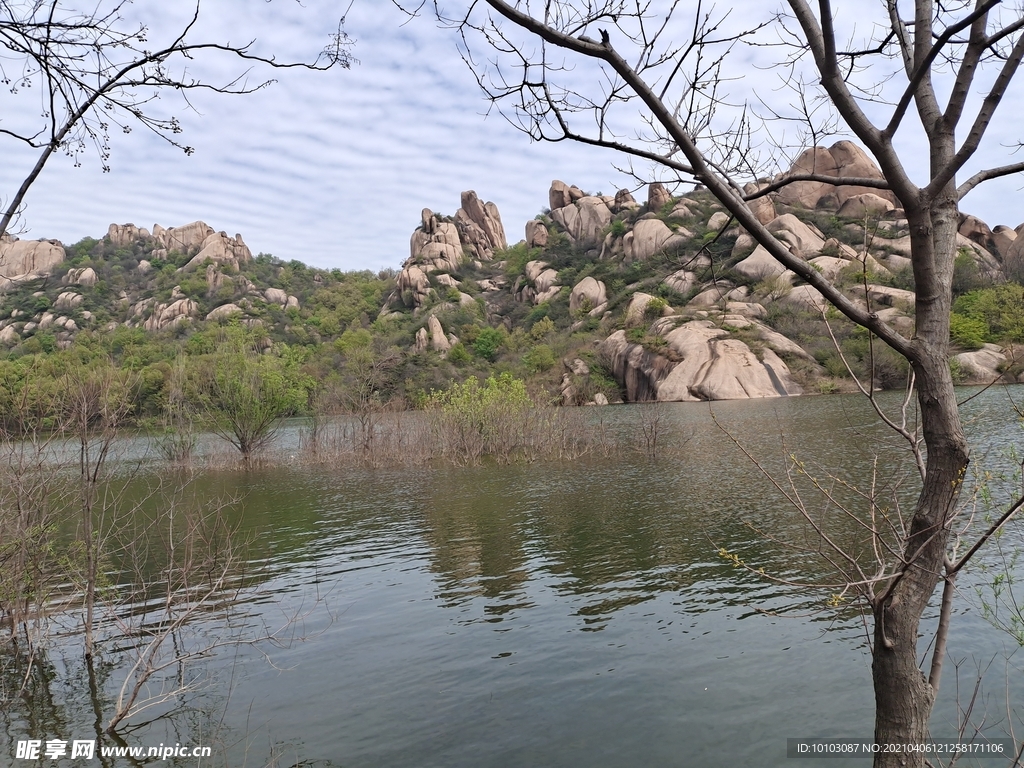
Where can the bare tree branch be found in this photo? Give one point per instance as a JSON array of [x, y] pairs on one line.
[[95, 71]]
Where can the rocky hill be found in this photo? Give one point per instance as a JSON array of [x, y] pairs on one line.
[[605, 297]]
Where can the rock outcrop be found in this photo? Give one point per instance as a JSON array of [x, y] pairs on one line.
[[844, 159], [589, 295], [85, 276], [221, 249], [763, 207], [438, 245], [22, 260], [126, 234], [982, 366], [158, 316], [657, 197], [480, 227], [438, 341], [539, 283], [624, 201], [561, 194], [710, 365], [412, 286], [186, 239], [224, 311], [584, 220], [536, 234], [649, 236]]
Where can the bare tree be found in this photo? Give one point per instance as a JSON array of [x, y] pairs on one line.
[[650, 80], [90, 73], [98, 402]]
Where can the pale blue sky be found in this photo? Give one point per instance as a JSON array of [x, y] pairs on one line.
[[329, 168], [333, 168]]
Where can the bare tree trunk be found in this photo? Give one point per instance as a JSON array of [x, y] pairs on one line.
[[904, 696]]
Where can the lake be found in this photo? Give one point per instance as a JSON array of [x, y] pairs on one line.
[[563, 613]]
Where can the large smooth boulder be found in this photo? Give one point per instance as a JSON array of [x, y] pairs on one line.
[[978, 231], [185, 239], [802, 240], [221, 249], [276, 296], [585, 220], [710, 365], [853, 162], [533, 269], [763, 207], [545, 280], [681, 281], [29, 257], [1003, 237], [536, 234], [438, 340], [587, 294], [637, 308], [657, 196], [649, 236], [863, 206], [982, 365], [718, 220], [759, 265], [1013, 261], [806, 194], [223, 311], [844, 159], [126, 234], [891, 297]]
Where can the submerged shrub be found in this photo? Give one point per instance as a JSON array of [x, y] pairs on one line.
[[470, 420]]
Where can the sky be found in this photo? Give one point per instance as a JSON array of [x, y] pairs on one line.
[[333, 168]]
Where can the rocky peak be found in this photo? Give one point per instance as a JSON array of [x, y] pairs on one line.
[[844, 159], [480, 227], [126, 234], [186, 239], [439, 246], [221, 249]]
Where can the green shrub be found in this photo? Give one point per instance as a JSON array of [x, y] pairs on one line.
[[540, 358], [516, 258], [655, 307], [966, 274], [542, 328], [470, 420], [458, 354], [488, 342], [1000, 308], [967, 332]]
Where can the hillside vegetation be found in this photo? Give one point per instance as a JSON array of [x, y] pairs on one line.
[[605, 299]]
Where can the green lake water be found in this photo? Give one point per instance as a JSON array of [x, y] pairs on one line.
[[566, 613]]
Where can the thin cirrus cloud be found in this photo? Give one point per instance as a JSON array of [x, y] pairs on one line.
[[329, 168]]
